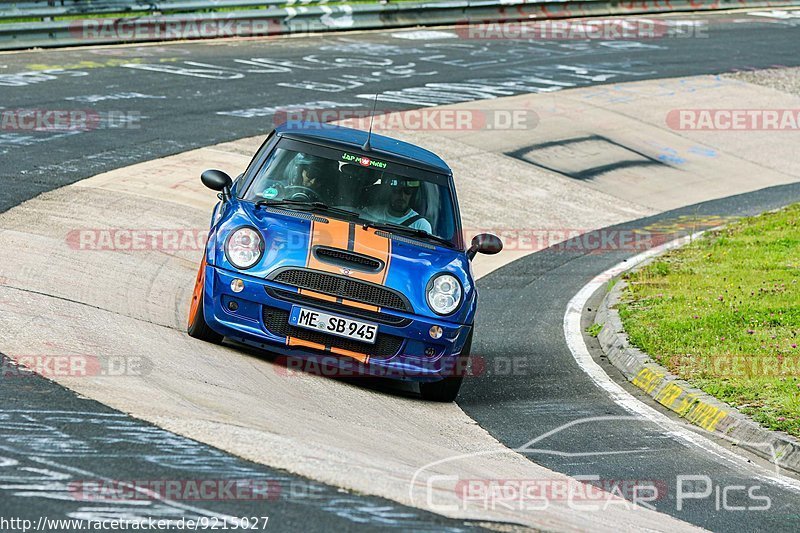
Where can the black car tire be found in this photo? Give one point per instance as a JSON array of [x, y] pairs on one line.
[[198, 327], [446, 390]]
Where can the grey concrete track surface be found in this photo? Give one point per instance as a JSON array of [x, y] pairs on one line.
[[55, 446], [179, 119]]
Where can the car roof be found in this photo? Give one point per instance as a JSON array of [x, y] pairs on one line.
[[381, 146]]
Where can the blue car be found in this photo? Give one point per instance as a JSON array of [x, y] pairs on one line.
[[344, 247]]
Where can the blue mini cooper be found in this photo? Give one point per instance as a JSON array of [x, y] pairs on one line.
[[346, 247]]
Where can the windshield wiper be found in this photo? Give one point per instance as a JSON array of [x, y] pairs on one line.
[[388, 226], [311, 206]]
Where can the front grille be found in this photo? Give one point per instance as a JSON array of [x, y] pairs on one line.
[[277, 322], [343, 287], [334, 307], [348, 259]]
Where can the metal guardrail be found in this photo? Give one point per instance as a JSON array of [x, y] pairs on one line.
[[45, 9], [297, 18]]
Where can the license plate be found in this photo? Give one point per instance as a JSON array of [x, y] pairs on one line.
[[333, 325]]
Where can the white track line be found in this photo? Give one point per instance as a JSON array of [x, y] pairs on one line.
[[574, 338]]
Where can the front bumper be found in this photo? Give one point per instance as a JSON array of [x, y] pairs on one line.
[[404, 349]]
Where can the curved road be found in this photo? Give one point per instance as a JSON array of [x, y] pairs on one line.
[[159, 100], [522, 312]]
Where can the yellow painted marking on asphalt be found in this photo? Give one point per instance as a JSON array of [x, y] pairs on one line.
[[648, 380], [706, 416], [690, 407], [686, 403], [685, 222], [87, 65], [669, 394]]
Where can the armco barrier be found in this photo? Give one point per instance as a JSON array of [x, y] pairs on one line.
[[61, 8], [319, 18]]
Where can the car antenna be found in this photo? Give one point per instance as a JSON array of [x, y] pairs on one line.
[[367, 147]]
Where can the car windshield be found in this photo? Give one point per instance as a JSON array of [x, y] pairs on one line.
[[375, 191]]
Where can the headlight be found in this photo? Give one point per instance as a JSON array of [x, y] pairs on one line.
[[244, 248], [444, 294]]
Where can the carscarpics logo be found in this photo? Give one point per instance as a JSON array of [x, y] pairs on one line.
[[363, 161]]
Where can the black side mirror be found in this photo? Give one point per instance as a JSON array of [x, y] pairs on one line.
[[217, 180], [485, 243]]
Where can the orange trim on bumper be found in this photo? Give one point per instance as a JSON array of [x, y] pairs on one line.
[[360, 357], [318, 295], [197, 295], [300, 343]]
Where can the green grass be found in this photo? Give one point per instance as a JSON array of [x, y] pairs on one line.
[[724, 314], [594, 329], [611, 284]]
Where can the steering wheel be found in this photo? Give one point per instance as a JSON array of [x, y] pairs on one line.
[[300, 193]]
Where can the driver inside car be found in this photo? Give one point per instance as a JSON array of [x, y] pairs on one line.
[[311, 175], [402, 193]]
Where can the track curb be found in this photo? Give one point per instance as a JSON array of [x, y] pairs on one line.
[[680, 397]]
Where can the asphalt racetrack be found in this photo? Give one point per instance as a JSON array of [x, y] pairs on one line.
[[186, 95], [580, 440], [164, 99]]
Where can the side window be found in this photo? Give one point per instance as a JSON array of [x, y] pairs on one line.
[[277, 172], [256, 162], [236, 182]]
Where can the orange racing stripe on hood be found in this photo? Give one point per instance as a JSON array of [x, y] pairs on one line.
[[332, 234], [355, 238], [368, 242]]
